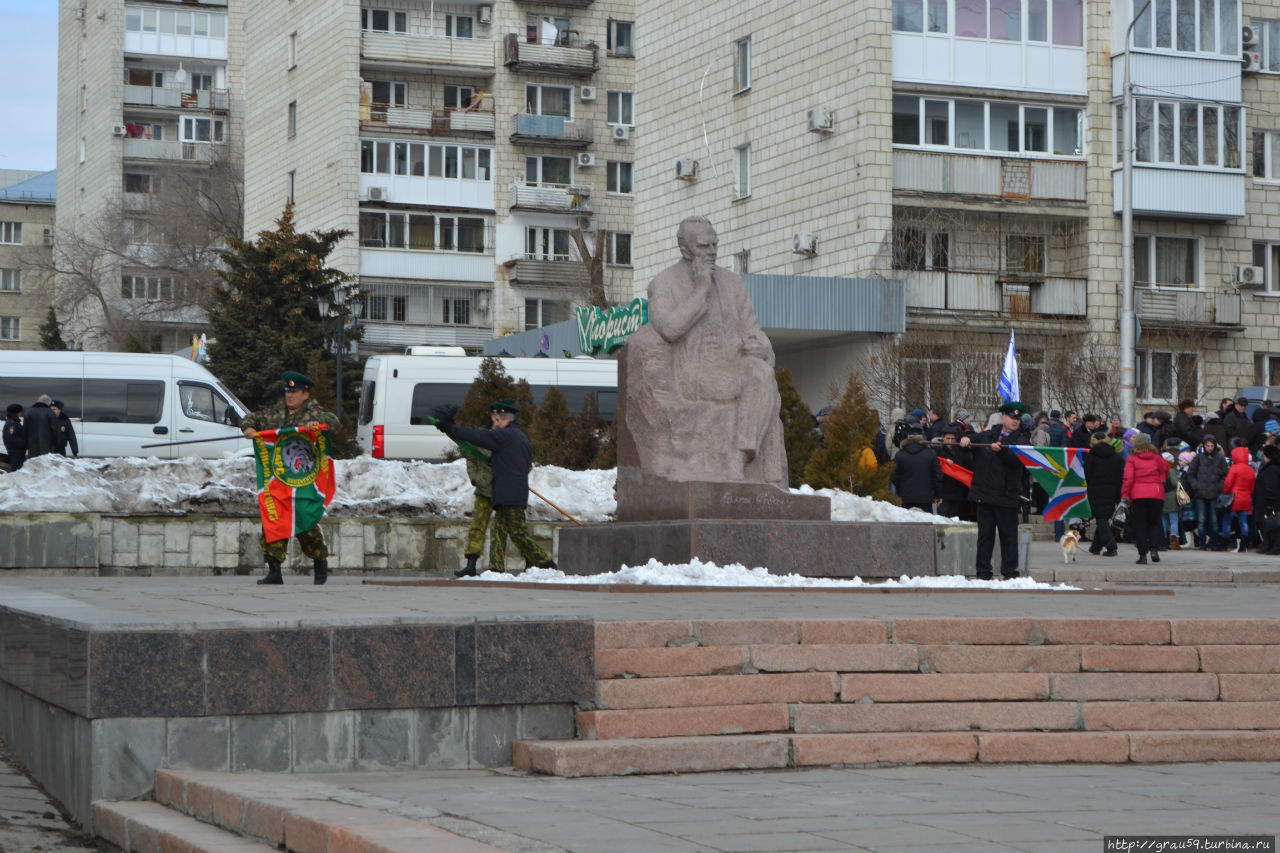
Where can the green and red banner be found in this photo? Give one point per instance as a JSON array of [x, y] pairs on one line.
[[295, 479]]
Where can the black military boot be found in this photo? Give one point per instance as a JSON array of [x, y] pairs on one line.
[[273, 573], [319, 572], [469, 570]]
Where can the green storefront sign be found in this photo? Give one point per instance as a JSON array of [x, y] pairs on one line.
[[607, 329]]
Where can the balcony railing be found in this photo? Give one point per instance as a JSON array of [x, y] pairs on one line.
[[578, 59], [1020, 178], [156, 149], [428, 119], [1173, 308], [165, 96], [458, 55], [1050, 296], [565, 271], [556, 198], [553, 130]]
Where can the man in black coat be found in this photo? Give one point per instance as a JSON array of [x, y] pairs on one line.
[[1237, 423], [511, 461], [41, 428], [955, 494], [1203, 480], [1082, 436], [917, 476], [1184, 427], [15, 439], [1103, 477], [997, 489], [1266, 500]]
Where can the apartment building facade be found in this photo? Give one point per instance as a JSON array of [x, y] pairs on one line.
[[149, 171], [460, 144], [970, 149], [26, 237]]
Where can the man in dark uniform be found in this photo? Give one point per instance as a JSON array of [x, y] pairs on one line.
[[511, 462], [297, 410], [15, 438], [66, 431], [996, 489]]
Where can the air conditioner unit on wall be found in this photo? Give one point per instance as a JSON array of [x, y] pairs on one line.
[[119, 130], [686, 169], [821, 120], [377, 193], [1250, 276], [621, 133], [1251, 61], [1248, 36], [803, 243], [587, 93], [586, 158], [484, 14]]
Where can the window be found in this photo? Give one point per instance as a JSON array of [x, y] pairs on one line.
[[549, 100], [386, 308], [972, 125], [11, 233], [742, 170], [395, 230], [10, 328], [916, 248], [11, 281], [1267, 256], [1166, 261], [620, 108], [1025, 255], [155, 287], [1189, 26], [546, 244], [383, 21], [927, 378], [139, 19], [293, 119], [390, 92], [1190, 134], [138, 230], [620, 248], [544, 312], [618, 41], [457, 97], [136, 182], [194, 129], [459, 26], [418, 159], [1268, 49], [1268, 369], [1165, 377], [291, 53], [619, 180], [201, 403], [291, 178], [1266, 154], [548, 171], [547, 29], [742, 64], [455, 308], [908, 16]]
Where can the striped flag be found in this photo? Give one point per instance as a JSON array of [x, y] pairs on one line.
[[1009, 375], [295, 479], [1060, 472]]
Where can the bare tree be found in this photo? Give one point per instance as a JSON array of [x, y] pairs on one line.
[[593, 262]]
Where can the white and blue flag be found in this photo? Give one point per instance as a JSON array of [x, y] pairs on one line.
[[1009, 375]]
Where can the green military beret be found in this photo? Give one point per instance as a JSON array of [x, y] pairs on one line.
[[1013, 408], [294, 381], [506, 404]]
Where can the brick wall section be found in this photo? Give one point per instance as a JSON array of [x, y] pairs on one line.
[[931, 690]]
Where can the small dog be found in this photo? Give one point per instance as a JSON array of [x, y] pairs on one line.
[[1070, 540]]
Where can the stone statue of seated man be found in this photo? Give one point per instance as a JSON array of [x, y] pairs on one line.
[[700, 399]]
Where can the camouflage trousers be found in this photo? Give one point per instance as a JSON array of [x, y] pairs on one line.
[[508, 521], [479, 525], [311, 542]]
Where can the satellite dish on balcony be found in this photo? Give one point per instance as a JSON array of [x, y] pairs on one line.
[[180, 76]]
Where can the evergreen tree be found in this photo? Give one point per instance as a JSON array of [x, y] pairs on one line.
[[606, 449], [342, 443], [583, 436], [51, 332], [491, 383], [797, 428], [850, 429], [266, 320], [550, 434], [528, 408]]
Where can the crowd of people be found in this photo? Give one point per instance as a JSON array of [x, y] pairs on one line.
[[1172, 481], [44, 428]]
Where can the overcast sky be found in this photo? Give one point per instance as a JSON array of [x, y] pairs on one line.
[[28, 100]]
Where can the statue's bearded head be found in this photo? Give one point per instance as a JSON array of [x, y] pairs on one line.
[[697, 241]]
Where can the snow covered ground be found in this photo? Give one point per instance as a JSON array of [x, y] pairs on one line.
[[377, 487]]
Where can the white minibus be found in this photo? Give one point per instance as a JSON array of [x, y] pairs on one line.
[[120, 403], [401, 391]]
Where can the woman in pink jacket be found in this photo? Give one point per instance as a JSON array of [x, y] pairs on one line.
[[1240, 479], [1145, 473]]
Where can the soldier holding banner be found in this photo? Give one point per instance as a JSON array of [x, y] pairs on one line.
[[300, 411]]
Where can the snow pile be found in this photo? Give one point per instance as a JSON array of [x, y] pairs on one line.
[[698, 573]]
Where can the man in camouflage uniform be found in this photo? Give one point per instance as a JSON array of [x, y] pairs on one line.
[[297, 410], [481, 476], [511, 462]]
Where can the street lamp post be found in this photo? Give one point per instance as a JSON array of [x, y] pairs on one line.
[[344, 304], [1128, 338]]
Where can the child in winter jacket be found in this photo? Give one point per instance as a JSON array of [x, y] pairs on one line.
[[1239, 482]]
